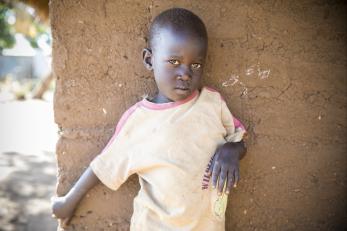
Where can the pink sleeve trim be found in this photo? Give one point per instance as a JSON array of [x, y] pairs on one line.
[[238, 124], [121, 123]]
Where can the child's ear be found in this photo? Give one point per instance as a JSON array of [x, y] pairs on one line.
[[147, 58]]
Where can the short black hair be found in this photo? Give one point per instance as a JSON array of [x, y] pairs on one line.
[[178, 19]]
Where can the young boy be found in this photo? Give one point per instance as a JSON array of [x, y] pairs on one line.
[[169, 140]]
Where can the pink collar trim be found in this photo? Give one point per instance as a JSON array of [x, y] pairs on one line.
[[162, 106]]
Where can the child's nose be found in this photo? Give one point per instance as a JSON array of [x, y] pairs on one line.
[[185, 73]]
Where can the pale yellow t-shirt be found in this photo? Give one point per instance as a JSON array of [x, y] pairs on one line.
[[169, 146]]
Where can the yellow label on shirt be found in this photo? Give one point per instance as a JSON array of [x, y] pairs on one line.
[[220, 205]]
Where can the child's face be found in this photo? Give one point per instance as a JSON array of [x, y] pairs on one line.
[[177, 61]]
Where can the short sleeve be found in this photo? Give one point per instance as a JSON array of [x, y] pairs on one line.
[[113, 166], [235, 129]]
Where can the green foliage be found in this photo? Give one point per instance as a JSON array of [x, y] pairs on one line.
[[41, 29], [7, 39]]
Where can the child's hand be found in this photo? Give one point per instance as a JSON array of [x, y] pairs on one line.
[[63, 207], [62, 210], [225, 166]]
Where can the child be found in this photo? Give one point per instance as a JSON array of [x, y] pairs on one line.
[[169, 140]]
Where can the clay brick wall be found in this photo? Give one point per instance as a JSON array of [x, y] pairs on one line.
[[281, 65]]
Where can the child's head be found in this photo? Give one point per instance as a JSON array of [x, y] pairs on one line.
[[176, 53]]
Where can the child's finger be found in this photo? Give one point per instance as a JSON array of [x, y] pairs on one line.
[[215, 173], [237, 176], [53, 199], [212, 161], [210, 165], [230, 182], [222, 179], [64, 223]]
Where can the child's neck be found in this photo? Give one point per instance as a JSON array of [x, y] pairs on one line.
[[158, 98]]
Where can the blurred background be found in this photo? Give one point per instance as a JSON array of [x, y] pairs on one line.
[[28, 133], [25, 49]]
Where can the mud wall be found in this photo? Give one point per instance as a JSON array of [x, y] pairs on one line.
[[281, 65]]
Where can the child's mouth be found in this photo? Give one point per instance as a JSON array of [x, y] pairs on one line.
[[183, 88], [182, 91]]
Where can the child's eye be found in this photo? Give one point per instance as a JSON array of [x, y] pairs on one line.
[[196, 65], [174, 62]]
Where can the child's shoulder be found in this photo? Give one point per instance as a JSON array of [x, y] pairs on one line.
[[211, 93], [125, 117]]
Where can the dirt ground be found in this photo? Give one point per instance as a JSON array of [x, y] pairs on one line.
[[27, 165]]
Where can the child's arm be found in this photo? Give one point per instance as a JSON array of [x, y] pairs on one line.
[[224, 168], [111, 167], [64, 207]]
